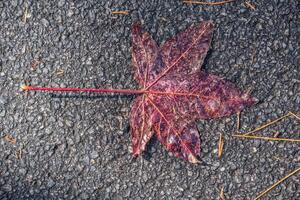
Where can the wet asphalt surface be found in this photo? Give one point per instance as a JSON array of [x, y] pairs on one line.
[[77, 146]]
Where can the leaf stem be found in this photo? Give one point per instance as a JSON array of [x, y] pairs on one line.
[[109, 90], [71, 89]]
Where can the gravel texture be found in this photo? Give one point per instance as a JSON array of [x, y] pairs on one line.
[[77, 146]]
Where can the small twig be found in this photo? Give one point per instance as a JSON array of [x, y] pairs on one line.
[[10, 139], [221, 145], [222, 195], [122, 12], [208, 3], [267, 138], [248, 4], [277, 183]]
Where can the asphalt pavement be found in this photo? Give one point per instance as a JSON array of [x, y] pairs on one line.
[[78, 146]]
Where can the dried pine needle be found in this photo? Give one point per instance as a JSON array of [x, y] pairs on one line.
[[267, 138], [277, 183], [122, 12], [208, 3], [294, 115], [10, 139], [249, 5], [221, 145], [268, 124], [222, 195]]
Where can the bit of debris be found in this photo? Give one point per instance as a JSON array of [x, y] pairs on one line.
[[10, 139], [253, 56], [221, 144], [60, 72], [277, 183], [26, 15], [222, 195], [249, 5], [163, 19], [34, 64], [19, 154], [276, 134]]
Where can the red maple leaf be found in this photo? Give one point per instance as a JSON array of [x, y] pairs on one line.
[[178, 92], [174, 91]]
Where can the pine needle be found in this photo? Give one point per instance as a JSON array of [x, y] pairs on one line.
[[273, 122], [277, 183], [221, 145], [122, 12], [267, 138], [294, 115], [208, 3], [268, 124]]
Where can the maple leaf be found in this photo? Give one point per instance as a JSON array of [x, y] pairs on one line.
[[177, 92], [174, 91]]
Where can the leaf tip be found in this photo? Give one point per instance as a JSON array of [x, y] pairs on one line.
[[249, 100], [193, 159]]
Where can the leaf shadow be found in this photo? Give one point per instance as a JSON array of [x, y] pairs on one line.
[[205, 61], [150, 148], [88, 96]]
